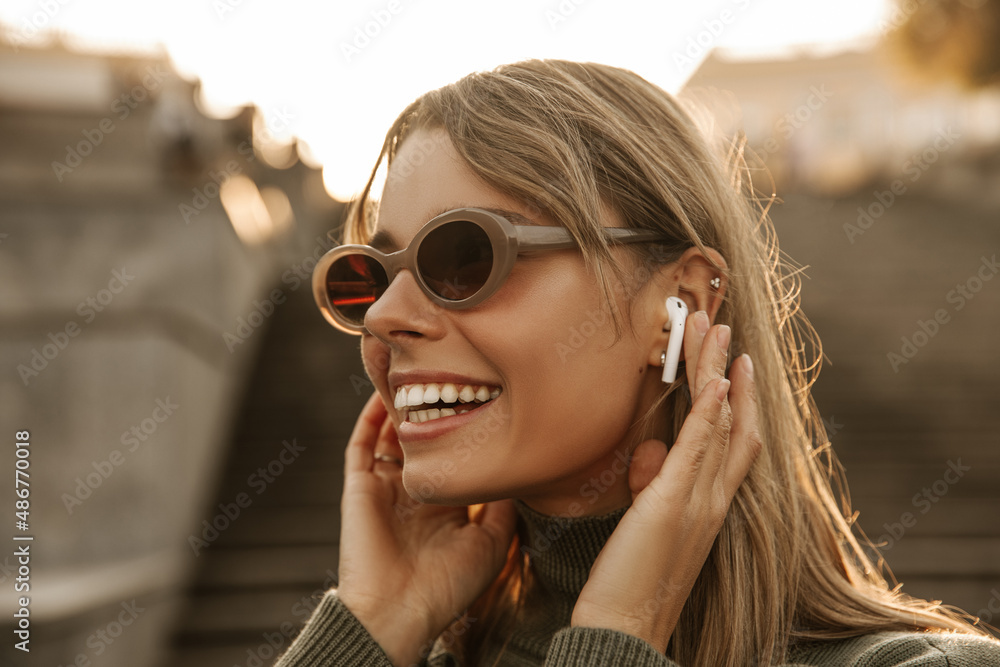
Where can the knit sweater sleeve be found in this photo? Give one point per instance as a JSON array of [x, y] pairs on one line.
[[586, 647], [333, 636], [590, 647], [903, 649]]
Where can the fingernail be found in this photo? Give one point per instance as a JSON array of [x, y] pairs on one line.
[[725, 333], [722, 390], [701, 322], [748, 364]]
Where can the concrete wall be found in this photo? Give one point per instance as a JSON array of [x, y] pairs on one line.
[[113, 310]]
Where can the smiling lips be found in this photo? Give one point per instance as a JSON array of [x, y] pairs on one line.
[[426, 402]]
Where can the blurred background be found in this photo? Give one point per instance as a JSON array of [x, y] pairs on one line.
[[170, 172]]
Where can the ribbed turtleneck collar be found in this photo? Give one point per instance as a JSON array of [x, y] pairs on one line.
[[562, 550]]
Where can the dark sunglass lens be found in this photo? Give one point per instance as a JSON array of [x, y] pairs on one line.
[[353, 283], [456, 259]]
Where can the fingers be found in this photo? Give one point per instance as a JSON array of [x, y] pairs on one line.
[[706, 350], [701, 440], [647, 459], [744, 441], [712, 358], [694, 335], [360, 453], [498, 520], [388, 443]]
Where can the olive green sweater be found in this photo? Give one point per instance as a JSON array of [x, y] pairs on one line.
[[561, 554]]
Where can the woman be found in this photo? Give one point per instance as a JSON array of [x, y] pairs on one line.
[[524, 487]]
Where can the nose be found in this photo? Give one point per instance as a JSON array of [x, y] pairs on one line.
[[404, 312]]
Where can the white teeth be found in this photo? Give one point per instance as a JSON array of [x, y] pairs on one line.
[[420, 416], [415, 396], [409, 397], [449, 393]]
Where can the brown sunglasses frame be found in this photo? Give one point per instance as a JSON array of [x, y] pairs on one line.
[[507, 240]]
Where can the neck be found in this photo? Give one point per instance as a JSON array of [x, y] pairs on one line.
[[590, 498], [561, 550], [594, 491]]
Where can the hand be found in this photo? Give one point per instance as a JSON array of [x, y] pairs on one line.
[[645, 572], [405, 578]]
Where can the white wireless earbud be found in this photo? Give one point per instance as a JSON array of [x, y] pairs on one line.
[[677, 312]]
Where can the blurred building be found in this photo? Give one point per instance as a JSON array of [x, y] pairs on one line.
[[144, 247], [836, 123]]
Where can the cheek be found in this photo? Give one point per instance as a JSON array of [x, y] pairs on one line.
[[376, 360], [574, 387]]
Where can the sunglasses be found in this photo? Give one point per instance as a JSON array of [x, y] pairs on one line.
[[459, 259]]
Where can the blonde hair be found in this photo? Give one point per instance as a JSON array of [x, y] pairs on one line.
[[577, 139]]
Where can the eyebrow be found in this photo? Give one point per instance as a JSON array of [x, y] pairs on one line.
[[514, 217], [384, 242]]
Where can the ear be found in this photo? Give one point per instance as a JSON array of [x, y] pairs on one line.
[[689, 278]]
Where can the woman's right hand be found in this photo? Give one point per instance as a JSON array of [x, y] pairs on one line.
[[406, 575]]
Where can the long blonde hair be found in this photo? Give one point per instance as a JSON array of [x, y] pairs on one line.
[[574, 138]]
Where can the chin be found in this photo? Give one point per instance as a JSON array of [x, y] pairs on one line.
[[444, 485]]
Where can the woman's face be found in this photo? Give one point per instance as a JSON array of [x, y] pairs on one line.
[[566, 391]]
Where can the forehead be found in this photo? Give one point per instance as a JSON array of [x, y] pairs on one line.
[[427, 178]]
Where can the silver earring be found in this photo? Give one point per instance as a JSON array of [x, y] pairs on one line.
[[715, 282], [663, 358]]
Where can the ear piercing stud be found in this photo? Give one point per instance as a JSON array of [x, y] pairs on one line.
[[715, 282]]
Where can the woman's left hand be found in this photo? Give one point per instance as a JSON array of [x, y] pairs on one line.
[[646, 571]]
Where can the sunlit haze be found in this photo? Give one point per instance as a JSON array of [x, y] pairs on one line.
[[339, 72]]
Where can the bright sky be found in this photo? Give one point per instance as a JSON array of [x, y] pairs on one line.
[[342, 70]]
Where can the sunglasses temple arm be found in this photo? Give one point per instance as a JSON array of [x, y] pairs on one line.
[[560, 237], [540, 238]]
